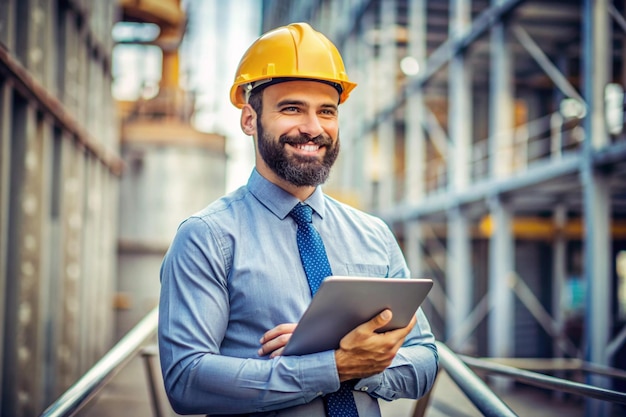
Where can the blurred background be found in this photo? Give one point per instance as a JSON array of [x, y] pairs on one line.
[[489, 135]]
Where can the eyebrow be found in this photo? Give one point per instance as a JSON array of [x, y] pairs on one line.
[[291, 102]]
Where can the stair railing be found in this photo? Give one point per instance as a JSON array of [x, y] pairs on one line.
[[458, 367], [86, 388]]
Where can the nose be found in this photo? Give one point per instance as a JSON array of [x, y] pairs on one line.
[[311, 125]]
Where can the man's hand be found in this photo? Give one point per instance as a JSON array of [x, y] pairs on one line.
[[363, 352], [273, 341]]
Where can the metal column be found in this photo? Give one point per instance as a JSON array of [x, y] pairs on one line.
[[596, 194], [501, 111], [6, 97], [371, 168], [415, 139], [460, 93], [500, 337], [459, 279], [356, 173], [387, 64], [458, 268], [501, 265], [559, 266]]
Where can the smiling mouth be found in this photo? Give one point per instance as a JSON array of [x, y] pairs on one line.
[[307, 147]]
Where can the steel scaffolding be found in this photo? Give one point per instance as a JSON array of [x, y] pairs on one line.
[[490, 136]]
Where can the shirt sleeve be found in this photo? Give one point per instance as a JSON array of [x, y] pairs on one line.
[[193, 317], [413, 371]]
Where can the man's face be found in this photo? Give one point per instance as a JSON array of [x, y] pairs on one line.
[[298, 132]]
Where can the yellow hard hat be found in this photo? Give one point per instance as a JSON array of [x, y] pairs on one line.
[[295, 51]]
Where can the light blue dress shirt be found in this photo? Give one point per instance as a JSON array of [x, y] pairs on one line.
[[233, 272]]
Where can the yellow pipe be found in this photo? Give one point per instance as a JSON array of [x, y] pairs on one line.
[[542, 228], [155, 11], [170, 73]]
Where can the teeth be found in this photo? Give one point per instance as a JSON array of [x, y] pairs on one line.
[[308, 147]]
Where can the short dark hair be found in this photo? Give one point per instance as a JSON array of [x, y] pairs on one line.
[[256, 102]]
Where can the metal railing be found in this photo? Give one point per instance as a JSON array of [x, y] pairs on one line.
[[88, 386], [476, 390], [458, 367], [550, 382]]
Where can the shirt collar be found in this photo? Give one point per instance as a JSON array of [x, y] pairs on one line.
[[279, 201]]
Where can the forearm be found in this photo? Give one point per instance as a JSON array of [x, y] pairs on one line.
[[220, 384], [413, 370], [411, 375]]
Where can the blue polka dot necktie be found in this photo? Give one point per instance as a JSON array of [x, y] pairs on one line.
[[316, 267]]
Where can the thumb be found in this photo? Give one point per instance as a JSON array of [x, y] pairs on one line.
[[383, 318]]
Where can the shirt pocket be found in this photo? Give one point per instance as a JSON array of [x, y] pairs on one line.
[[367, 270]]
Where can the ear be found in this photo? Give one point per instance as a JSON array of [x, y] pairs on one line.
[[248, 120]]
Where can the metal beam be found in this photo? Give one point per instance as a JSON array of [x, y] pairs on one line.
[[33, 90], [478, 192], [619, 19], [536, 309], [438, 136], [471, 322], [544, 62], [440, 57]]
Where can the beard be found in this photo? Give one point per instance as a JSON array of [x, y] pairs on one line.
[[297, 169]]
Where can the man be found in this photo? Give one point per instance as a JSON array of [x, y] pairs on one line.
[[233, 283]]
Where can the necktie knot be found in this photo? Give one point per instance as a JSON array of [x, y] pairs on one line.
[[302, 214]]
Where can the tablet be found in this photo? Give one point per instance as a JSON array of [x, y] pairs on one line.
[[343, 303]]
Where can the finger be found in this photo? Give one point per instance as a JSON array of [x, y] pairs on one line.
[[274, 344], [277, 331], [380, 320], [402, 332], [277, 352]]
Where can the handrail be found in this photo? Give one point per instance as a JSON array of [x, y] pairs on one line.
[[458, 367], [545, 381], [485, 400], [79, 394]]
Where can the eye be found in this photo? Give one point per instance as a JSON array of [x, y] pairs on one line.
[[329, 112], [290, 109]]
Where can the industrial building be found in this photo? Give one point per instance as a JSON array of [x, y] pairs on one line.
[[489, 135], [91, 188], [59, 181]]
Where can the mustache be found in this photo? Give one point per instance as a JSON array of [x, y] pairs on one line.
[[321, 140]]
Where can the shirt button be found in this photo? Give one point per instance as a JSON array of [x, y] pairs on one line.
[[364, 388]]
